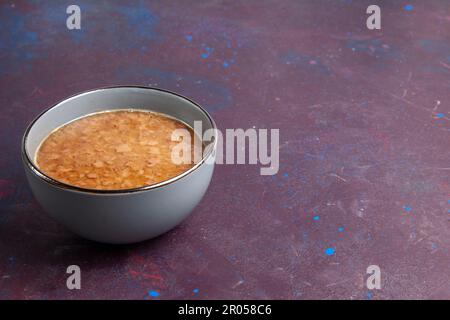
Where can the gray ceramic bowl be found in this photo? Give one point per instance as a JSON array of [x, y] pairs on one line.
[[119, 216]]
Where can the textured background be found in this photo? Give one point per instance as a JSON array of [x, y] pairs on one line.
[[364, 119]]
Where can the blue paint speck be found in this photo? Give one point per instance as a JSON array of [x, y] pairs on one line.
[[440, 115], [195, 290], [316, 218], [341, 229], [369, 295], [226, 64], [285, 174], [407, 208], [329, 251], [154, 294], [408, 7], [207, 52], [188, 38]]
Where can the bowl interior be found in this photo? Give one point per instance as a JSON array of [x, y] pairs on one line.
[[112, 99]]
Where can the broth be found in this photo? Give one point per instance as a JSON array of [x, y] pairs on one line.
[[113, 150]]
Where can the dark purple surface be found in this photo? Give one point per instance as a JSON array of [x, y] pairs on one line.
[[364, 147]]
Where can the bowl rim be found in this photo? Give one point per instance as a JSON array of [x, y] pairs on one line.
[[30, 164]]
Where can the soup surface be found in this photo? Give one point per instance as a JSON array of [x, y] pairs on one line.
[[113, 150]]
